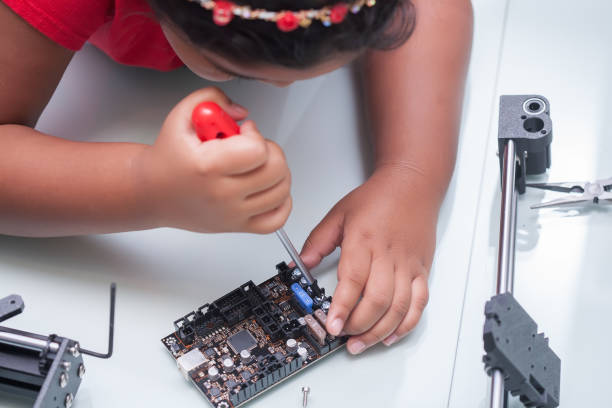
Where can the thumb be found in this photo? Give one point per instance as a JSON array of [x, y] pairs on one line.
[[323, 239], [212, 94]]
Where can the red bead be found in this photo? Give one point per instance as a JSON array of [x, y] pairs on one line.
[[223, 12], [287, 22], [212, 122], [337, 13]]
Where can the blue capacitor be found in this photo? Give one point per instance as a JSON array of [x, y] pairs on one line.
[[302, 297]]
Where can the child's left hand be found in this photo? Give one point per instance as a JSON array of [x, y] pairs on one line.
[[386, 230]]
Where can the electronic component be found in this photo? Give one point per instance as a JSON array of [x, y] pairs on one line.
[[316, 329], [190, 360], [321, 316], [245, 356], [302, 297], [228, 365], [253, 338], [291, 345], [243, 340], [213, 373]]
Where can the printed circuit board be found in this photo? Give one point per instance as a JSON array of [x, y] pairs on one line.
[[252, 338]]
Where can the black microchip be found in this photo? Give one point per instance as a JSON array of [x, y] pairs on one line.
[[214, 391], [245, 375], [210, 352], [243, 340]]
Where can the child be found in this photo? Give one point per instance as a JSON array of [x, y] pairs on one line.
[[386, 227]]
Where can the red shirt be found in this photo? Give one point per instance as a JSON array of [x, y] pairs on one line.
[[124, 29]]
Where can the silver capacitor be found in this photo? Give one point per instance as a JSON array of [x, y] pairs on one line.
[[245, 356], [228, 365], [213, 373], [302, 352], [292, 344]]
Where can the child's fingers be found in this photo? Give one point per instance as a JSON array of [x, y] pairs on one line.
[[396, 313], [377, 296], [269, 199], [235, 155], [270, 221], [420, 297], [353, 271], [273, 170], [323, 239]]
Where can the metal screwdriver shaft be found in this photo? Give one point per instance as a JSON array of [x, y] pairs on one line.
[[293, 253]]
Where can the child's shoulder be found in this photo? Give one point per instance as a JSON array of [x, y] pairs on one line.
[[126, 30]]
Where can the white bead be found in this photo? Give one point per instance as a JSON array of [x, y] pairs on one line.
[[267, 15]]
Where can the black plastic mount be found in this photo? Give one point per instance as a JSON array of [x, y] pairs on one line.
[[10, 306], [513, 345], [50, 374], [48, 369], [525, 119]]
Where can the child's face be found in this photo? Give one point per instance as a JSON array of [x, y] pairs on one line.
[[215, 67]]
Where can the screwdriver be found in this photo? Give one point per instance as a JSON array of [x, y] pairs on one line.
[[212, 122]]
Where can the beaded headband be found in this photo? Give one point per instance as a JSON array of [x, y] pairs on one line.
[[224, 11]]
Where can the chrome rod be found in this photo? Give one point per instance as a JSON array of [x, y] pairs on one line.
[[295, 256], [28, 342], [507, 223], [498, 395], [505, 257]]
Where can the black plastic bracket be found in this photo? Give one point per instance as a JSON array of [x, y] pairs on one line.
[[10, 306], [525, 119], [512, 344], [48, 369]]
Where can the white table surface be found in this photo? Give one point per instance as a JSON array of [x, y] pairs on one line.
[[559, 49], [163, 274]]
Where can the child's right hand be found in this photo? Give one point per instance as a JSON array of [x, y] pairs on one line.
[[237, 184]]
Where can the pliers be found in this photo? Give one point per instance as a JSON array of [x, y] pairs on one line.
[[597, 192]]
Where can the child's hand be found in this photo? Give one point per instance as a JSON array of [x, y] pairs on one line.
[[237, 184], [387, 234]]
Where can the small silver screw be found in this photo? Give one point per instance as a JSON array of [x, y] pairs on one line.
[[81, 371], [63, 380], [74, 350], [68, 400], [305, 391]]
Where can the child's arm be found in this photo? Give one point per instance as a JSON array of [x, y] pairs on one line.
[[50, 186], [386, 227]]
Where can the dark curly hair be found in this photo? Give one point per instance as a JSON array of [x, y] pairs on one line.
[[385, 26]]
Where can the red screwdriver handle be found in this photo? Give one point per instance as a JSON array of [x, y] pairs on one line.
[[212, 122]]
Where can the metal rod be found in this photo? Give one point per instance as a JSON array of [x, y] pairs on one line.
[[295, 256], [28, 342], [505, 257], [511, 249], [507, 223], [497, 390]]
